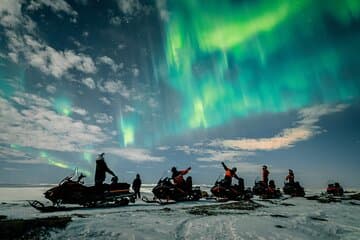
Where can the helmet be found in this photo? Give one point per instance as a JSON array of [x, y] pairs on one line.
[[173, 169], [234, 169], [264, 166]]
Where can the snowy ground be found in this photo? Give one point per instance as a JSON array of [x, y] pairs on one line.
[[295, 218]]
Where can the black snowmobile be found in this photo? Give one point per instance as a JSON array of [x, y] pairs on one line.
[[294, 189], [71, 191], [222, 192], [166, 191], [266, 192]]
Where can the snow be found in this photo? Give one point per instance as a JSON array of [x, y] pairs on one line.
[[293, 218]]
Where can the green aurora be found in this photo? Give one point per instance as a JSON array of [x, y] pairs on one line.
[[229, 59]]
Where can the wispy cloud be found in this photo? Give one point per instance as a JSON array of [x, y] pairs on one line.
[[89, 82], [239, 150], [35, 125], [134, 154], [47, 59], [129, 6], [51, 89], [103, 118], [128, 108], [105, 100], [28, 161], [110, 62], [114, 87], [6, 152], [162, 10], [25, 46], [242, 167], [10, 13], [305, 128], [56, 6], [208, 154], [79, 111]]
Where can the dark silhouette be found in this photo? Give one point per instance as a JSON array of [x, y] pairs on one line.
[[101, 169], [136, 185], [265, 175], [272, 187], [229, 174], [188, 184], [290, 177]]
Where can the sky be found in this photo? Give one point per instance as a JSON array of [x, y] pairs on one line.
[[160, 83]]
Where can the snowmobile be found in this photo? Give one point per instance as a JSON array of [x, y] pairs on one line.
[[166, 191], [335, 189], [295, 189], [235, 192], [266, 192], [71, 191]]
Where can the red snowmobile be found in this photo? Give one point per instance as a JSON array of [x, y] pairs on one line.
[[222, 192], [71, 191], [335, 189], [266, 192], [165, 191], [294, 189]]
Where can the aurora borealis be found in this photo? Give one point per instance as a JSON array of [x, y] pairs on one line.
[[223, 58], [156, 83]]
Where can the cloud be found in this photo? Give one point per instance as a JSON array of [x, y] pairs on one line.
[[56, 6], [26, 99], [51, 89], [105, 100], [304, 129], [79, 111], [242, 167], [7, 152], [208, 154], [129, 6], [113, 87], [116, 21], [110, 62], [89, 82], [134, 154], [37, 126], [103, 118], [48, 60], [135, 71], [12, 169], [163, 12], [223, 155], [27, 161], [163, 148], [237, 150], [10, 13], [129, 108], [153, 103]]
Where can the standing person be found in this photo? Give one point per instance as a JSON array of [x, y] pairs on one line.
[[265, 175], [177, 176], [136, 185], [101, 169], [229, 174], [290, 177]]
